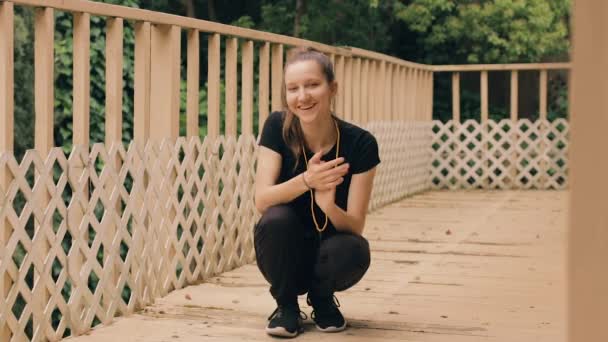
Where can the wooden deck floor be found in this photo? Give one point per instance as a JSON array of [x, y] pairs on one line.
[[446, 266]]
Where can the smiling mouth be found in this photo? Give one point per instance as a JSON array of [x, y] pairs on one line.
[[306, 108]]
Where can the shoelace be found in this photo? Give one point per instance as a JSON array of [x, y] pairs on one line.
[[278, 312], [335, 303]]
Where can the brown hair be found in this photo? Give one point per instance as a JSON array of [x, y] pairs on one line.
[[292, 131]]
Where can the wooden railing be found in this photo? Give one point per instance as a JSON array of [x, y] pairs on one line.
[[107, 229], [510, 153]]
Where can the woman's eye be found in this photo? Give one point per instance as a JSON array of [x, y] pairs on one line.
[[291, 90]]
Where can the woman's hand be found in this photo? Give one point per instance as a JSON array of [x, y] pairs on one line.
[[322, 175]]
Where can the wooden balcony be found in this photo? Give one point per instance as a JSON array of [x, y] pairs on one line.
[[446, 266]]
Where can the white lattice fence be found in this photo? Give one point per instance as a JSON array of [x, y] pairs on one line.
[[500, 155], [405, 159], [103, 233]]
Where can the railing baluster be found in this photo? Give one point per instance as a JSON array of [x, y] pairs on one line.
[[514, 95], [165, 82], [44, 106], [339, 99], [231, 86], [543, 95], [348, 89], [357, 95], [456, 97], [7, 101], [277, 76], [247, 88], [365, 95], [264, 85], [213, 87], [484, 95], [193, 84], [114, 85], [141, 118]]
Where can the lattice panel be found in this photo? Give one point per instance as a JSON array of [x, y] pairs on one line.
[[104, 233], [500, 155], [405, 156]]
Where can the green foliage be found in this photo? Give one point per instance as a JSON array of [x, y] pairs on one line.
[[497, 31], [353, 23], [64, 77]]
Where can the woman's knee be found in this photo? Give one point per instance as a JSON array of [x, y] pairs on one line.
[[356, 247], [277, 222]]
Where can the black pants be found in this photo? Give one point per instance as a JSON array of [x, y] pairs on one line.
[[294, 260]]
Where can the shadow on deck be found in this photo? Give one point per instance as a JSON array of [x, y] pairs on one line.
[[446, 266]]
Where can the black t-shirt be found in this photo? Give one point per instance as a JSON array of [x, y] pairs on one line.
[[358, 147]]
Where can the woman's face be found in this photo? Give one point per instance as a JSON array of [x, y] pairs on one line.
[[307, 91]]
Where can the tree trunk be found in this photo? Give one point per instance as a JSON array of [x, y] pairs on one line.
[[300, 10], [211, 10]]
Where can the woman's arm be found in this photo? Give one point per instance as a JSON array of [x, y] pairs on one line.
[[267, 192], [359, 193]]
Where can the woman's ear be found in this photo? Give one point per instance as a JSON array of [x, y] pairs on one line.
[[334, 88]]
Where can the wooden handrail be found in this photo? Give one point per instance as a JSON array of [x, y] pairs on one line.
[[501, 67]]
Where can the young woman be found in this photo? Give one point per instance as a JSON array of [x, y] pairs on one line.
[[313, 184]]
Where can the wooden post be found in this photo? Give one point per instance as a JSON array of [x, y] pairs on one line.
[[165, 82], [264, 85], [484, 128], [347, 89], [365, 93], [514, 96], [44, 106], [456, 97], [114, 56], [247, 89], [213, 87], [484, 95], [277, 76], [357, 95], [542, 129], [7, 104], [339, 99], [143, 41], [588, 226], [193, 84], [231, 87], [429, 115], [513, 132]]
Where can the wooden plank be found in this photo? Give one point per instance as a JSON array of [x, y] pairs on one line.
[[7, 65], [339, 99], [347, 87], [409, 94], [247, 88], [81, 78], [114, 84], [213, 87], [264, 84], [81, 138], [165, 82], [357, 95], [484, 96], [128, 13], [486, 280], [543, 95], [431, 98], [231, 86], [514, 95], [588, 223], [501, 67], [44, 105], [388, 92], [381, 89], [43, 79], [456, 97], [365, 93], [143, 43], [277, 77], [192, 93], [7, 105], [382, 57]]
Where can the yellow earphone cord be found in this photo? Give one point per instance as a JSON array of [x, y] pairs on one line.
[[312, 195]]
